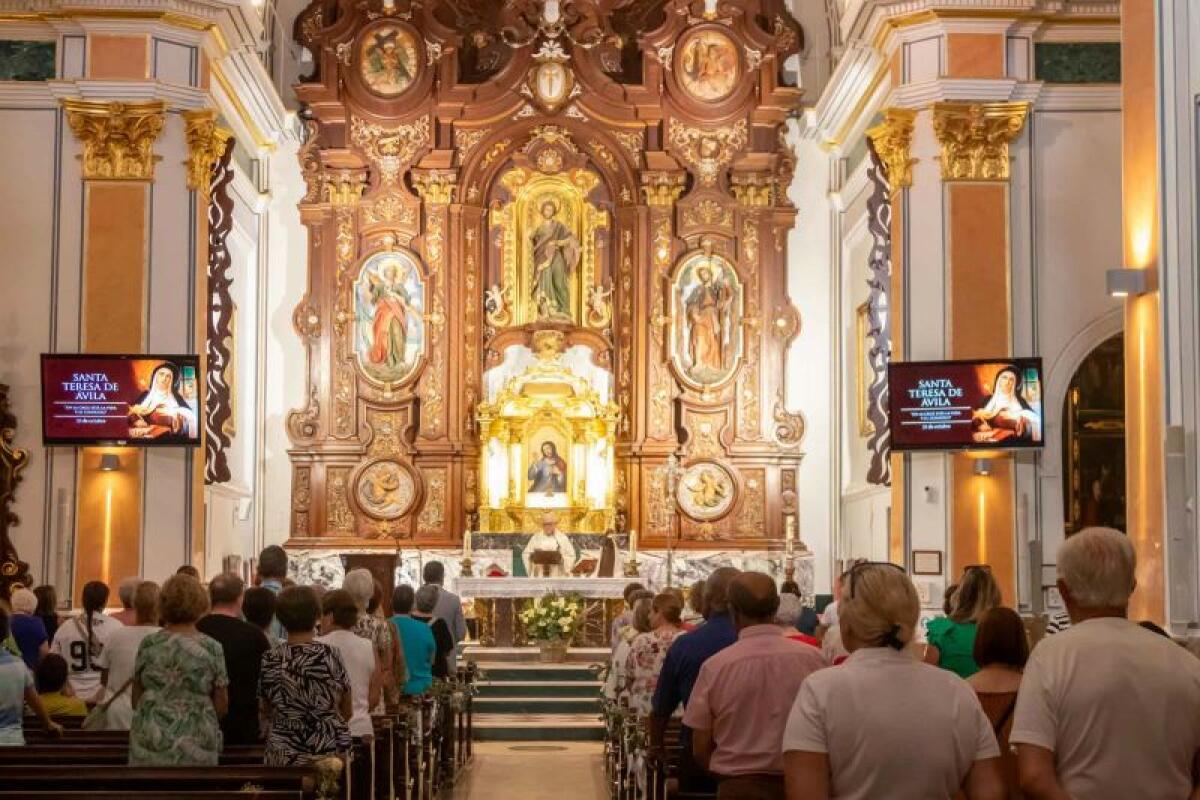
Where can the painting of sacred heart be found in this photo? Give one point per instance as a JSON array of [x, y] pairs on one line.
[[708, 65], [389, 314], [388, 60]]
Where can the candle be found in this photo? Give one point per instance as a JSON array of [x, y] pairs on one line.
[[789, 529], [466, 544], [633, 545]]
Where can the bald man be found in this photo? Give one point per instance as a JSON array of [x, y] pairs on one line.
[[740, 703], [680, 670]]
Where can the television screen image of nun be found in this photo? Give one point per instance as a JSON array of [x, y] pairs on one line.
[[162, 412], [1012, 411]]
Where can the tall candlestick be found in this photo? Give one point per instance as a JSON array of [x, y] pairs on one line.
[[633, 545], [466, 544]]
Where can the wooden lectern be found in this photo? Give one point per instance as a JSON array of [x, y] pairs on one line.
[[382, 567], [543, 560]]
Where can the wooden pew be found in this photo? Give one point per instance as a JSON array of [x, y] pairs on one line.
[[78, 781], [98, 754]]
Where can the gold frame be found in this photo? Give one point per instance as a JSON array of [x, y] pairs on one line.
[[862, 383]]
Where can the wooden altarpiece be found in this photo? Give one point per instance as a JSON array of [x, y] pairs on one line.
[[652, 131]]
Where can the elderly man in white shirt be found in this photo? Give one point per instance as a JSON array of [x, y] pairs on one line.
[[1106, 709]]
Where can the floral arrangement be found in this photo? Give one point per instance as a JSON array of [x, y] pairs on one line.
[[552, 618]]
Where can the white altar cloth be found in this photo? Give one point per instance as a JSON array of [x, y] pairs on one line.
[[537, 587]]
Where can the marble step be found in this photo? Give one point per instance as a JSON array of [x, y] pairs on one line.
[[536, 705], [571, 689], [538, 727], [499, 673], [531, 655]]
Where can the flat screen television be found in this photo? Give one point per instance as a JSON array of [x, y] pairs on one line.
[[125, 400], [993, 404]]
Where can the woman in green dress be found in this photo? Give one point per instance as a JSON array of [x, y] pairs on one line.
[[952, 638], [179, 685]]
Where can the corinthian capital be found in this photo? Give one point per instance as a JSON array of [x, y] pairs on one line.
[[206, 143], [975, 138], [118, 138], [891, 140]]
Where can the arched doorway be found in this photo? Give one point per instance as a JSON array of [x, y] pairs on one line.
[[1094, 440]]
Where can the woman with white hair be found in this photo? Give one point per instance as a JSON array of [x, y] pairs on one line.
[[362, 587], [883, 724]]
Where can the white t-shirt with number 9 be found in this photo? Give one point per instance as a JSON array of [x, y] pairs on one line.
[[70, 642]]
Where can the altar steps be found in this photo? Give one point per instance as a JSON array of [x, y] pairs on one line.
[[525, 702]]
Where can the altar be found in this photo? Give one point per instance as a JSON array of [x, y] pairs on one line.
[[498, 603]]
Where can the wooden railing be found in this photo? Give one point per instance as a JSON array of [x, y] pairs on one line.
[[418, 752]]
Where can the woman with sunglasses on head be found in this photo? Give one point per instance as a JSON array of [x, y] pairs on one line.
[[883, 724], [952, 637]]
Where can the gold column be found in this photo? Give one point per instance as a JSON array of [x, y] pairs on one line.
[[975, 167], [1144, 426], [118, 165]]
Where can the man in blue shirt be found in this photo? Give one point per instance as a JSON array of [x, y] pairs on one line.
[[679, 673]]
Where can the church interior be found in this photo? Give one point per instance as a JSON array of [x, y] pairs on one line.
[[564, 295]]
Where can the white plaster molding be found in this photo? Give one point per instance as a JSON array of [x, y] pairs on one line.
[[1082, 97], [851, 79], [175, 96], [21, 94], [1069, 32], [984, 90], [856, 183]]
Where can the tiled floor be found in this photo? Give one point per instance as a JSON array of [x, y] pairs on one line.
[[534, 771]]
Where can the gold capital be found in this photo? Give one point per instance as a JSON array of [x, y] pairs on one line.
[[436, 187], [662, 188], [891, 140], [343, 188], [975, 138], [118, 138], [206, 144], [752, 189]]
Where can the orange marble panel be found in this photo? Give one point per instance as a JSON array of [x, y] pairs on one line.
[[120, 57], [982, 514], [983, 521], [1144, 426], [108, 505], [974, 55]]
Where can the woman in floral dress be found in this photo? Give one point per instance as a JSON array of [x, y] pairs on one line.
[[179, 685], [649, 650], [303, 688]]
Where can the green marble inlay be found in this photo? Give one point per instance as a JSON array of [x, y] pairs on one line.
[[1077, 62], [26, 61]]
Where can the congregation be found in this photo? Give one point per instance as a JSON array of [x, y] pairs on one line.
[[771, 703], [189, 670], [770, 700]]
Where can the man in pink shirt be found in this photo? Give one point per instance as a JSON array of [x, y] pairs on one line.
[[739, 707]]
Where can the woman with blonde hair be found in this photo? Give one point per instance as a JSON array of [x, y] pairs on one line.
[[851, 729], [952, 637]]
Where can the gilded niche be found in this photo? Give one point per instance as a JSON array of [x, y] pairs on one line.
[[548, 249]]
